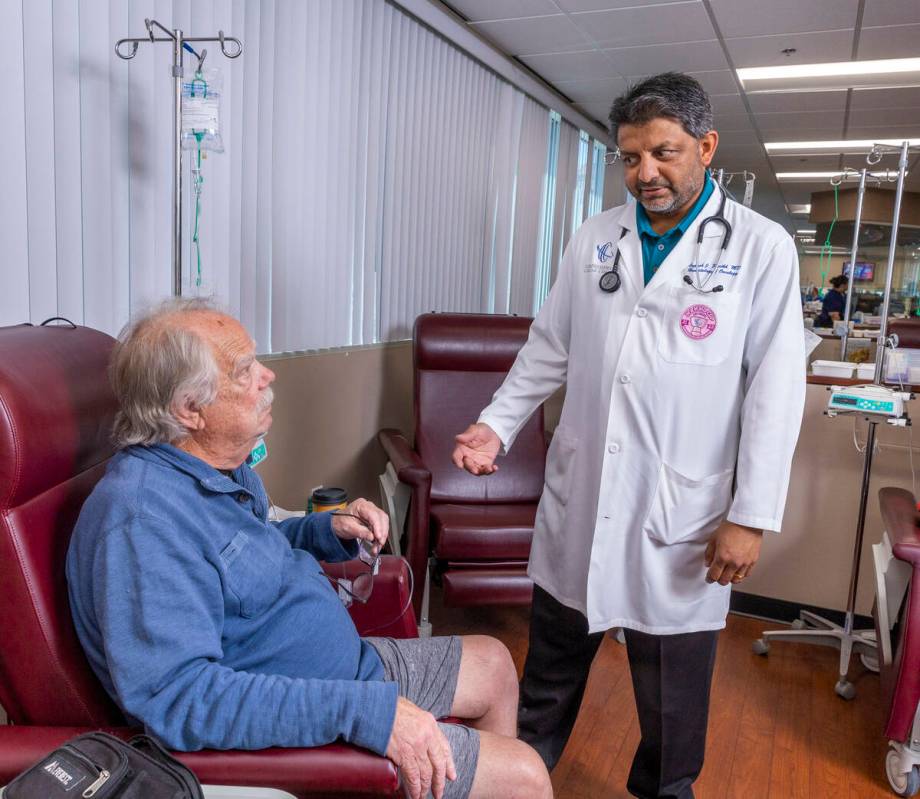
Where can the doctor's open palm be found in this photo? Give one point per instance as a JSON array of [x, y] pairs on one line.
[[477, 448]]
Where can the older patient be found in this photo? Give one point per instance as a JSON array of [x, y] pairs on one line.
[[215, 627]]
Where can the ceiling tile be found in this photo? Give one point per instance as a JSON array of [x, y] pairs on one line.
[[764, 51], [890, 12], [591, 65], [732, 122], [689, 57], [802, 134], [586, 91], [479, 10], [885, 132], [740, 143], [886, 98], [856, 161], [798, 101], [754, 161], [895, 41], [603, 5], [553, 34], [799, 120], [878, 117], [679, 22], [757, 18], [720, 81], [801, 163], [598, 111], [727, 104]]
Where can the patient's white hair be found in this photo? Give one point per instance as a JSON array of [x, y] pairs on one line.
[[159, 364]]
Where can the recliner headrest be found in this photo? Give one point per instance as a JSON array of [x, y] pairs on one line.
[[468, 342], [55, 412]]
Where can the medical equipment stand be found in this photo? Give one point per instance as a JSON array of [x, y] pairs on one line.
[[180, 44], [811, 628], [848, 309]]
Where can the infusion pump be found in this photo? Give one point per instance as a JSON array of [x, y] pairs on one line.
[[870, 401]]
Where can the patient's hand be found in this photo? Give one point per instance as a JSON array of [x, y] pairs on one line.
[[421, 751], [362, 519], [476, 449]]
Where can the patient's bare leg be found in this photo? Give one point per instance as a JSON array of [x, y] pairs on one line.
[[487, 686], [509, 769]]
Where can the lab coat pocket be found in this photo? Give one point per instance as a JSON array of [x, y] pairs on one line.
[[697, 329], [253, 577], [557, 482], [684, 509], [559, 463]]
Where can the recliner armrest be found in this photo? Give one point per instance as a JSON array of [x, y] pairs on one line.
[[389, 610], [326, 770], [899, 514], [412, 471], [408, 465]]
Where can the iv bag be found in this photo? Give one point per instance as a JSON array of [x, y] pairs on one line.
[[201, 93]]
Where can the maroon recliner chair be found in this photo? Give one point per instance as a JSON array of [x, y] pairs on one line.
[[56, 412], [900, 675], [475, 531]]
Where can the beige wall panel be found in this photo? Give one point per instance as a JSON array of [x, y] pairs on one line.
[[809, 561], [328, 409]]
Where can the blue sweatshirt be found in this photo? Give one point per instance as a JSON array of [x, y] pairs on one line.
[[212, 626]]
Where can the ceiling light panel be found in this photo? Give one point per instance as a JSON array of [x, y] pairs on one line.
[[829, 146], [883, 74], [817, 177]]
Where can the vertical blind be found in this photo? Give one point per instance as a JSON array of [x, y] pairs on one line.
[[372, 171]]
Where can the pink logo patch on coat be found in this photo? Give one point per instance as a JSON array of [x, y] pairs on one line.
[[698, 322]]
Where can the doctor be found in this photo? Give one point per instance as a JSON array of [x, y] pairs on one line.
[[684, 394]]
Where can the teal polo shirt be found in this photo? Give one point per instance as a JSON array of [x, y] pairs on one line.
[[656, 247]]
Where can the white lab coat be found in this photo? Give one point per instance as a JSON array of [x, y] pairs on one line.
[[659, 425]]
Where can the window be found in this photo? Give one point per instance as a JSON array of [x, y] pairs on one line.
[[596, 195], [547, 215], [578, 204]]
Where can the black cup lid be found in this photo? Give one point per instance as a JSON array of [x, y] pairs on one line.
[[329, 496]]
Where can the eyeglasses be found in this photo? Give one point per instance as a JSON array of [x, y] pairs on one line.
[[361, 587], [611, 157]]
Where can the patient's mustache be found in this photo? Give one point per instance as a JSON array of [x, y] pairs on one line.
[[265, 401]]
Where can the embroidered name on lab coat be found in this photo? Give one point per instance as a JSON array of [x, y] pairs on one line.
[[729, 270]]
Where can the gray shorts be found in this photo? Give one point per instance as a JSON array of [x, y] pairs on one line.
[[426, 670]]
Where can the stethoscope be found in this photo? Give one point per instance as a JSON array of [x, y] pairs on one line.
[[610, 281]]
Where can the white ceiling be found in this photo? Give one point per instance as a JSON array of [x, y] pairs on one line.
[[591, 50]]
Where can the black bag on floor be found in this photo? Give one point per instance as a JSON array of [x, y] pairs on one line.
[[98, 766]]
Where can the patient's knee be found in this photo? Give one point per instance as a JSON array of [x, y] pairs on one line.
[[531, 779], [500, 667]]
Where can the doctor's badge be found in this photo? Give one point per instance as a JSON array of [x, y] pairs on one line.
[[698, 322]]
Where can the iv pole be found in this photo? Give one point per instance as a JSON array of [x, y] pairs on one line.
[[723, 178], [180, 43], [811, 628], [846, 313]]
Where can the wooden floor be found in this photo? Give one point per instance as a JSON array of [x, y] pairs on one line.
[[777, 730]]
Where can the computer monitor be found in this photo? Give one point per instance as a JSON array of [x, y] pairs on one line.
[[864, 270]]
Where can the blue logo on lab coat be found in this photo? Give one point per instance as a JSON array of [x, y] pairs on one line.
[[605, 252]]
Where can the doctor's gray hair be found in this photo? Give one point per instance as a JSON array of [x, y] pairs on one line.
[[670, 94], [159, 364]]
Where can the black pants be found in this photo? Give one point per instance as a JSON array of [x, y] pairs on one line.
[[671, 675]]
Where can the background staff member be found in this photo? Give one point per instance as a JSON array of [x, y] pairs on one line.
[[684, 379], [835, 302]]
